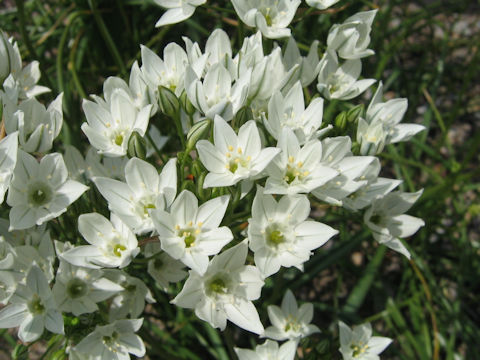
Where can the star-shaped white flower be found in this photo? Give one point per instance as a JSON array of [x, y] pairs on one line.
[[233, 158], [359, 344]]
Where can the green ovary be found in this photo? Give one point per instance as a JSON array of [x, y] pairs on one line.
[[358, 349], [36, 306], [117, 250], [217, 286], [39, 194], [119, 139], [76, 288], [276, 238], [147, 207]]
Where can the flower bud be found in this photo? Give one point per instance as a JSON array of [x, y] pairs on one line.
[[198, 131], [354, 113], [186, 104], [168, 102], [341, 122], [137, 146], [242, 116]]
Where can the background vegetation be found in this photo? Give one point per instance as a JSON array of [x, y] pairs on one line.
[[426, 51]]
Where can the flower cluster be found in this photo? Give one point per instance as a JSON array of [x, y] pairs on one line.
[[227, 211]]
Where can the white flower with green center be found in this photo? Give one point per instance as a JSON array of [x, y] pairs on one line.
[[109, 129], [387, 116], [225, 291], [269, 350], [289, 111], [40, 191], [290, 322], [169, 72], [32, 307], [359, 344], [233, 158], [297, 169], [114, 341], [177, 10], [352, 38], [388, 222], [191, 233], [279, 233], [130, 302], [144, 190], [163, 268], [112, 243], [216, 95], [8, 159], [78, 289], [341, 82], [271, 17]]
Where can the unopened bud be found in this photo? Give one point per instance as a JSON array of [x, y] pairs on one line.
[[137, 146], [187, 104], [198, 131], [354, 113], [242, 116], [341, 121], [168, 102]]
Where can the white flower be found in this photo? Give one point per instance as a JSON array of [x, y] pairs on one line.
[[279, 234], [75, 163], [163, 268], [308, 66], [37, 127], [321, 4], [218, 49], [340, 82], [8, 159], [371, 137], [112, 243], [337, 155], [24, 80], [169, 72], [216, 95], [109, 130], [351, 38], [358, 344], [33, 308], [290, 322], [78, 289], [297, 169], [289, 111], [191, 233], [178, 10], [114, 341], [98, 165], [388, 115], [40, 191], [130, 302], [233, 158], [269, 350], [271, 17], [225, 291], [388, 222], [144, 189]]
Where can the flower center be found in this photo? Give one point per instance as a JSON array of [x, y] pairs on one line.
[[36, 306], [157, 263], [218, 285], [39, 194], [117, 250], [189, 233], [147, 207], [118, 139], [76, 288], [358, 349], [237, 159], [275, 238], [294, 171]]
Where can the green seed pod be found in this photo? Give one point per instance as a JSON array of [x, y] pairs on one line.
[[137, 146], [354, 113], [242, 116], [186, 104], [341, 122], [198, 131], [168, 102]]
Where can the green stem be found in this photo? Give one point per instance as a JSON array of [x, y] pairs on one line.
[[107, 37]]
